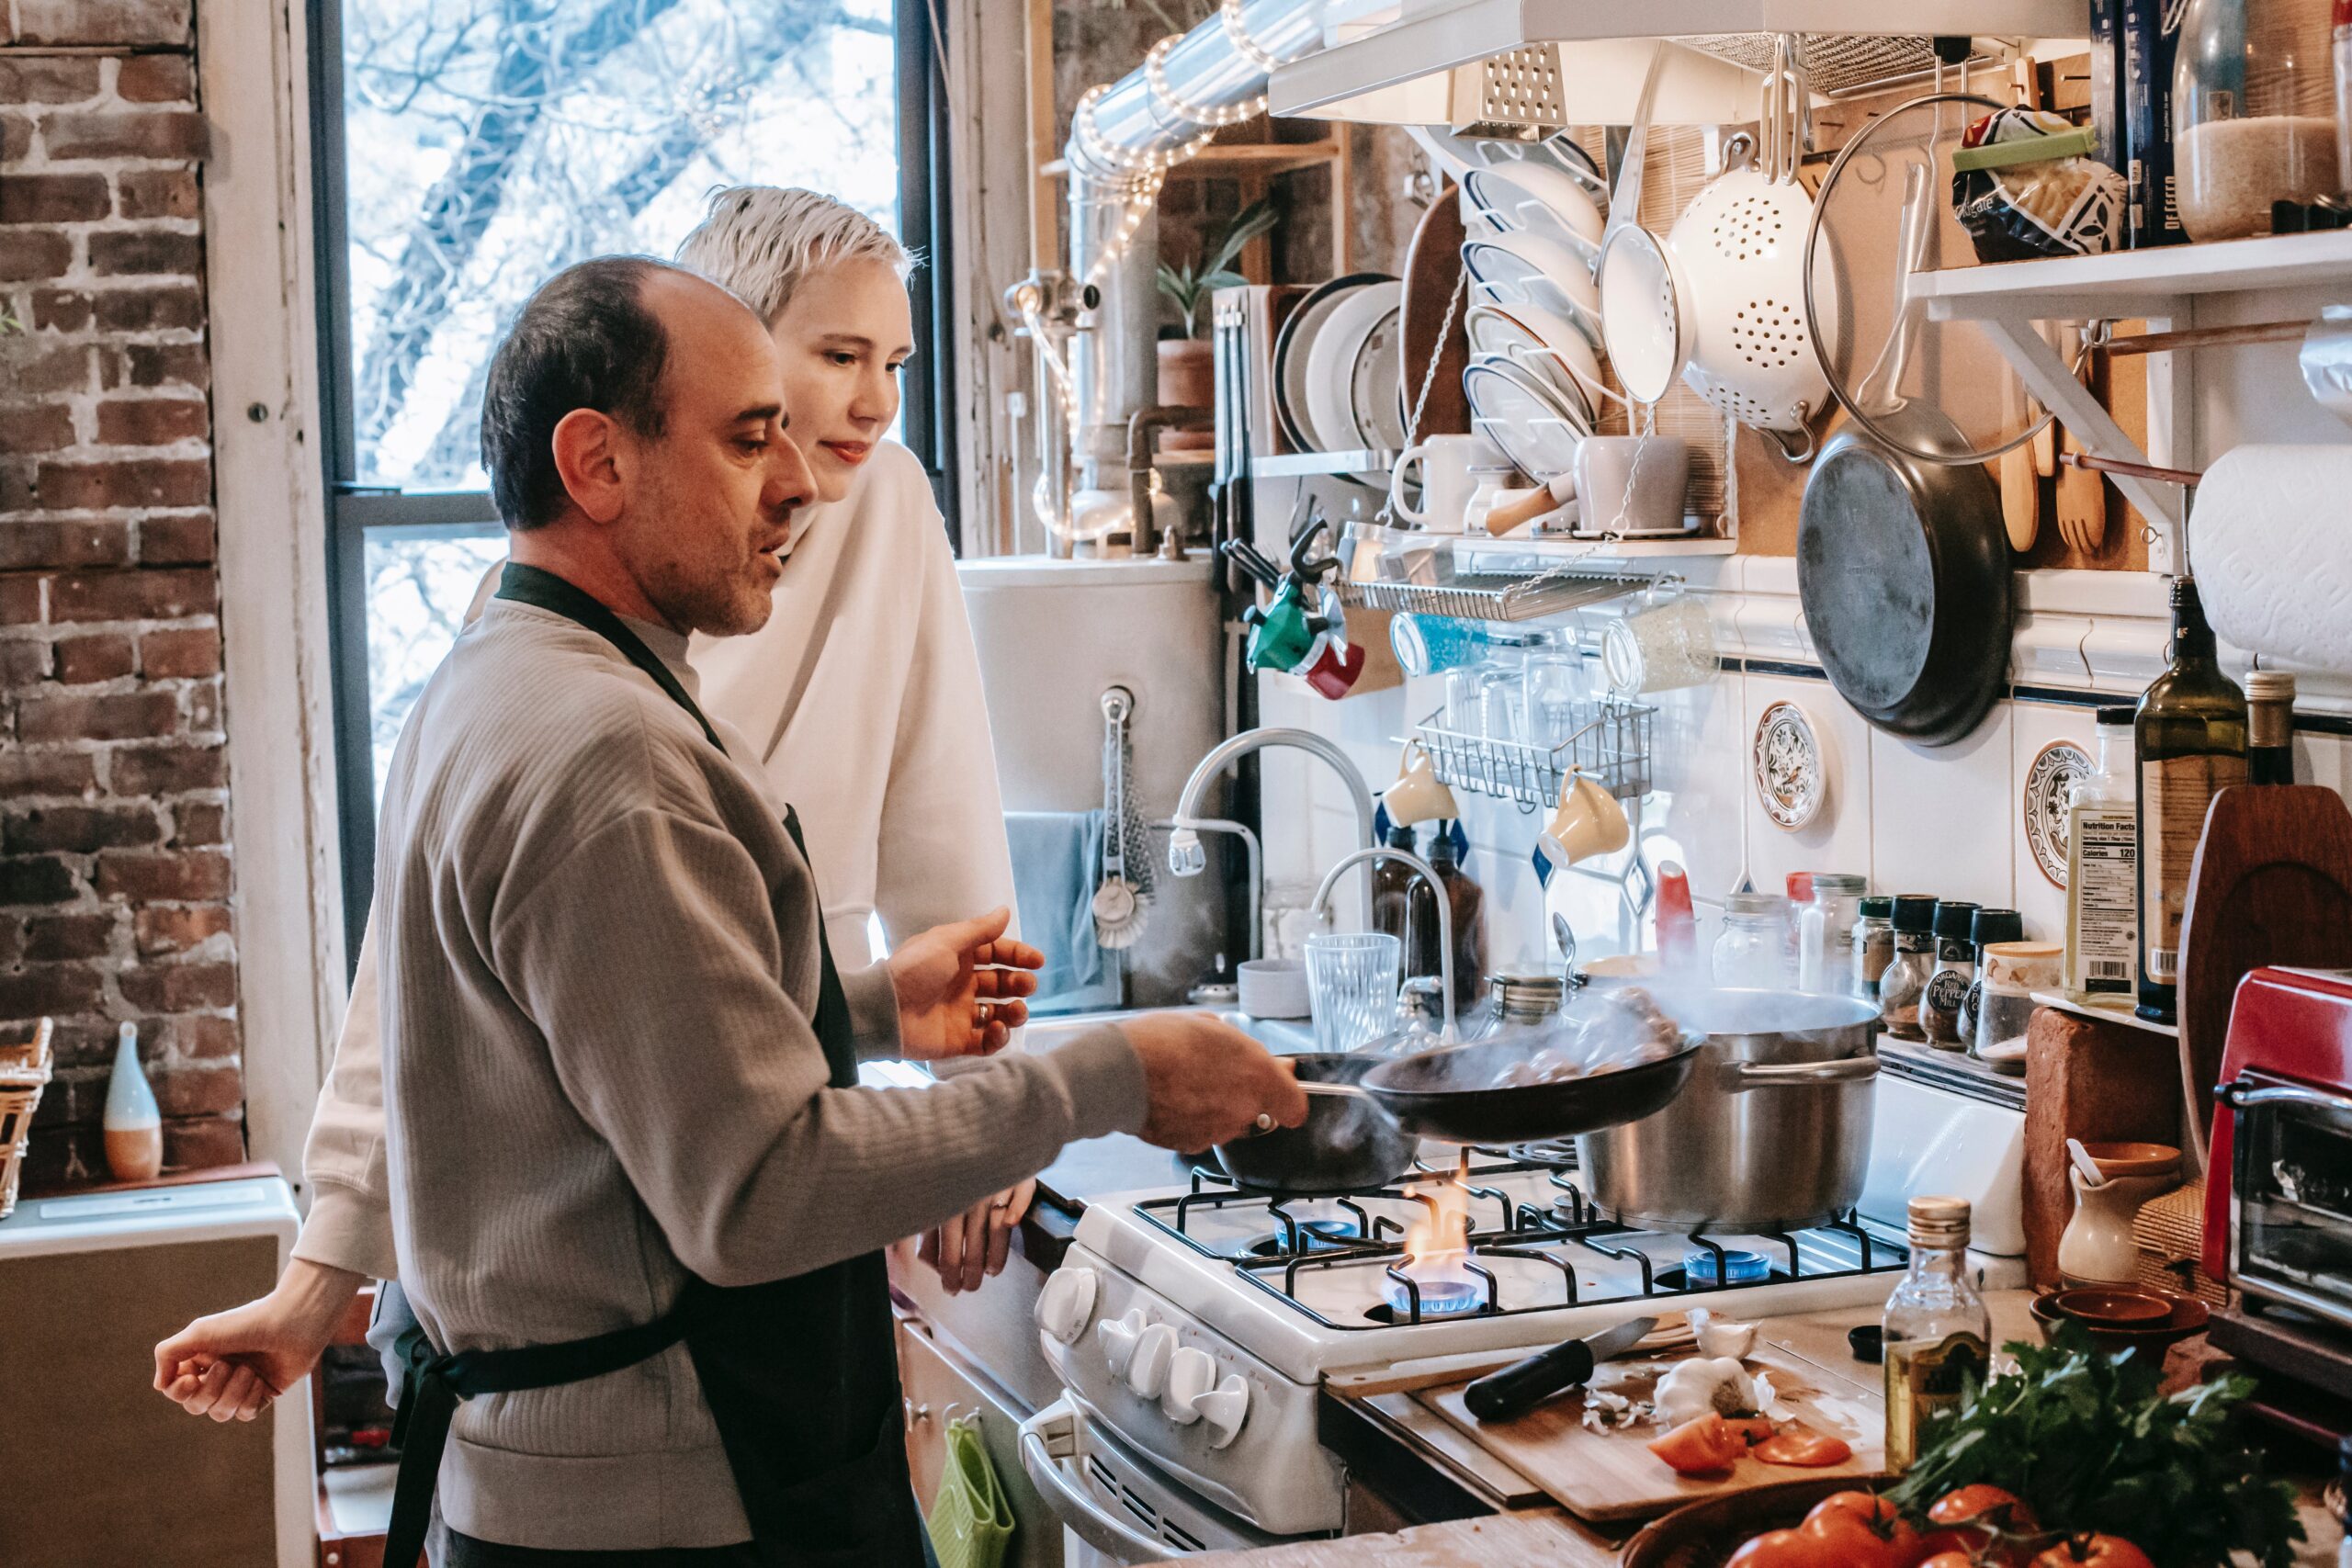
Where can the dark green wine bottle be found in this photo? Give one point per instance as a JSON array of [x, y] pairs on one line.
[[2191, 736]]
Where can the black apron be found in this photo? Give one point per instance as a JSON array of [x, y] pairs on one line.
[[801, 1374]]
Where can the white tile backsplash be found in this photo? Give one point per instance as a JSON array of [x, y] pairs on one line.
[[1940, 819], [1839, 838]]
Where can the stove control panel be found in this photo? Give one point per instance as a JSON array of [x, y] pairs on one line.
[[1193, 1393], [1118, 1337], [1148, 1370], [1066, 1303]]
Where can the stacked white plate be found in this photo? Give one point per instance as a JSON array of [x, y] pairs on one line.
[[1337, 372]]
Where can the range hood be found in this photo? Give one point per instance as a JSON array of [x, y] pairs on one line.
[[1549, 62]]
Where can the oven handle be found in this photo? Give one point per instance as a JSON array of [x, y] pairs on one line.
[[2244, 1095], [1049, 1437]]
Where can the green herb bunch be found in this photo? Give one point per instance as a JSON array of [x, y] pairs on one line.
[[2084, 1437]]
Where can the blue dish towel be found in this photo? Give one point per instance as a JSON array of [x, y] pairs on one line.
[[1056, 863]]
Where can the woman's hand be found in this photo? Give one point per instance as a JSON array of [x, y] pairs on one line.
[[972, 1247], [959, 988]]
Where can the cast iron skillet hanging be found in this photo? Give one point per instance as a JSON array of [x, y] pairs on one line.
[[1903, 567]]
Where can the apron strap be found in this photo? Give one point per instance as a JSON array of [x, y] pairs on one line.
[[546, 591], [432, 1384]]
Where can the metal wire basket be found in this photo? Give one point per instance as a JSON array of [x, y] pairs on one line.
[[1496, 598], [1610, 744]]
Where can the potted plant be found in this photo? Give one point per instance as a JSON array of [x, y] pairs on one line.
[[1187, 374]]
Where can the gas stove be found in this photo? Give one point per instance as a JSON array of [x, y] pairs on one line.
[[1194, 1328]]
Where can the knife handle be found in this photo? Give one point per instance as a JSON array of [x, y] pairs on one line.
[[1523, 1385]]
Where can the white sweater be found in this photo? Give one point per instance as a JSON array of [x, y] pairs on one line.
[[861, 703]]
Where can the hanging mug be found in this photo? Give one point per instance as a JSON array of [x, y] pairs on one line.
[[1419, 795], [1451, 466], [1660, 644], [1589, 823]]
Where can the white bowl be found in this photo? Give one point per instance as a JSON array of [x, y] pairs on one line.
[[1272, 987]]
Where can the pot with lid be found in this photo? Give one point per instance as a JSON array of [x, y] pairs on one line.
[[1772, 1132]]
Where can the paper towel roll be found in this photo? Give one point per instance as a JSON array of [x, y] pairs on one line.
[[2270, 541]]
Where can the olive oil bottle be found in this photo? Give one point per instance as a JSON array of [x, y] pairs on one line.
[[2190, 737], [1938, 1334]]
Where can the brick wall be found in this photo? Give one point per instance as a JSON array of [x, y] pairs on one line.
[[114, 853]]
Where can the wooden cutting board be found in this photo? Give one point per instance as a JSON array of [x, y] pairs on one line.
[[1613, 1475], [2271, 884], [1432, 272]]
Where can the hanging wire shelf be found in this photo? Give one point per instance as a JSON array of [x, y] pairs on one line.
[[1425, 574], [1610, 744]]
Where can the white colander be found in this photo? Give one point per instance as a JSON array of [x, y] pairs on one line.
[[1739, 249]]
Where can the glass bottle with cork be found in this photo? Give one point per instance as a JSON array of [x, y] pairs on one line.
[[1939, 1334], [2102, 850], [2270, 726], [2190, 738]]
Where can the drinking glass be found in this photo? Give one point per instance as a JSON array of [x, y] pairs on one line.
[[1555, 687], [1352, 987]]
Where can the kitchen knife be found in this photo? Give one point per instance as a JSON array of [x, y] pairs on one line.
[[1524, 1385]]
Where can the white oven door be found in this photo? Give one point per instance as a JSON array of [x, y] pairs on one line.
[[1119, 1509]]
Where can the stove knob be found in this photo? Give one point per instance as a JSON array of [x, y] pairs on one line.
[[1191, 1374], [1117, 1335], [1066, 1303], [1224, 1409], [1148, 1372]]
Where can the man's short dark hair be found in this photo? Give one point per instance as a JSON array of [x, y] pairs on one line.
[[586, 340]]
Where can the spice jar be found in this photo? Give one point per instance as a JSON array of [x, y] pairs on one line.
[[1985, 927], [1838, 896], [1947, 985], [1873, 944], [2009, 973], [1905, 978], [2253, 113]]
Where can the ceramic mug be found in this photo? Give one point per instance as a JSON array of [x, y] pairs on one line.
[[1451, 466], [1419, 795], [1589, 823], [1629, 484]]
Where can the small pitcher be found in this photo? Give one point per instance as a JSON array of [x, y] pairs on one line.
[[2096, 1247]]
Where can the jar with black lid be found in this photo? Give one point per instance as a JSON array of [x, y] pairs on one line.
[[1873, 944], [1939, 1000], [1905, 978]]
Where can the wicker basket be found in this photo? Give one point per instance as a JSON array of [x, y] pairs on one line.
[[24, 1071]]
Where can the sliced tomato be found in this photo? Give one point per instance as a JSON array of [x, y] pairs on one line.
[[1753, 1429], [1798, 1444], [2094, 1551], [1707, 1445], [1786, 1548]]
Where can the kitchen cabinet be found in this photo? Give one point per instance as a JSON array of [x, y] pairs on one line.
[[939, 1389]]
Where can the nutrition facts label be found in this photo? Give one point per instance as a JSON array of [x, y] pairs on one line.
[[2106, 856]]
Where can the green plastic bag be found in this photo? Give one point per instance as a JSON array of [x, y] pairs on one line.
[[971, 1522]]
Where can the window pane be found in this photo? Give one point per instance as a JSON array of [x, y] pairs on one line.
[[492, 142], [418, 589]]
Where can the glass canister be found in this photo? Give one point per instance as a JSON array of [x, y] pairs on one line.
[[2008, 974], [1985, 928], [1871, 947], [1753, 951], [2253, 113], [1946, 986], [1905, 976], [1838, 896]]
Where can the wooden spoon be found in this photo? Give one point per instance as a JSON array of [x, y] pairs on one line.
[[2021, 492]]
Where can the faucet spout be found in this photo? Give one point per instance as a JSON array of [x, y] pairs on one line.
[[1186, 855]]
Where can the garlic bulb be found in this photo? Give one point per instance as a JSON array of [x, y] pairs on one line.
[[1711, 1383], [1720, 1336]]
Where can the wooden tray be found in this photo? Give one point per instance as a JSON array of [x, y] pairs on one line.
[[1613, 1475], [1704, 1534]]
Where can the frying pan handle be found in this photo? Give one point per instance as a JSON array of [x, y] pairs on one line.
[[1740, 1076]]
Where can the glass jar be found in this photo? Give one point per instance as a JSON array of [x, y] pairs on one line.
[[2253, 113], [1520, 1005], [1753, 951], [1906, 976], [2009, 973], [1838, 896], [1985, 927], [1948, 982], [1871, 947]]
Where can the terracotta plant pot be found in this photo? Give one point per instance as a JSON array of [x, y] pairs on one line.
[[1187, 372]]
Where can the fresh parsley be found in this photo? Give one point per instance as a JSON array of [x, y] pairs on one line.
[[2085, 1438]]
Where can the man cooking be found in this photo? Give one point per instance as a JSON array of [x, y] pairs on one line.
[[638, 1198]]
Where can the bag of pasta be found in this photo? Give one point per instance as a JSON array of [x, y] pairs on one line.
[[2024, 185]]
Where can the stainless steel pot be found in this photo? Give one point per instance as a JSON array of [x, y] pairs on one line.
[[1773, 1130]]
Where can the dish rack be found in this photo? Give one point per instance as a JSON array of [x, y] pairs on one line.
[[1492, 597], [1610, 744]]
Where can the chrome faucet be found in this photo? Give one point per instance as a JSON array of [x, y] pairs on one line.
[[1186, 857]]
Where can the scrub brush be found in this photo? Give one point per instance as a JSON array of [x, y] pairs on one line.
[[1123, 898]]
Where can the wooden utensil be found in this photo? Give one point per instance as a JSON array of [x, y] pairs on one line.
[[2021, 492], [1432, 274], [2271, 884], [2082, 502], [1613, 1475]]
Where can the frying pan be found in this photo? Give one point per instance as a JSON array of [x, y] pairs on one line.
[[1344, 1145], [1903, 567], [1443, 1094]]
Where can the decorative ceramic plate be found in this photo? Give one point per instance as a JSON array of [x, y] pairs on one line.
[[2055, 768], [1786, 760]]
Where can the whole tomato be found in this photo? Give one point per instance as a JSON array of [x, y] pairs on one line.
[[1949, 1560], [1864, 1529], [1985, 1508], [2094, 1551], [1786, 1548]]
